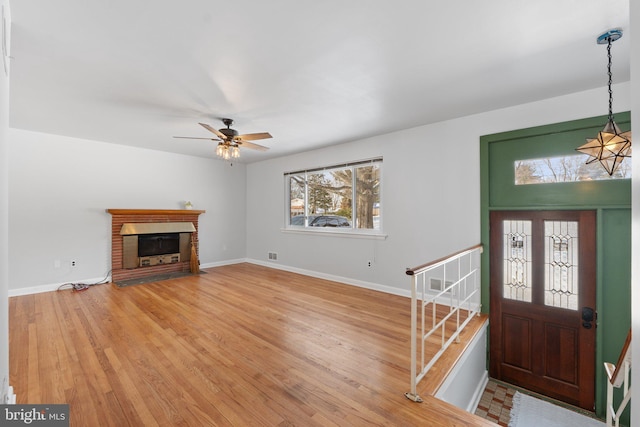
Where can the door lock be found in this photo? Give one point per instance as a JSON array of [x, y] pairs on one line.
[[588, 316]]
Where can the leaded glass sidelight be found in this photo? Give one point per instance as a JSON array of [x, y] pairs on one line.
[[561, 264], [517, 260]]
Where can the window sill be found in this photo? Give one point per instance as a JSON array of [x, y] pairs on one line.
[[375, 235]]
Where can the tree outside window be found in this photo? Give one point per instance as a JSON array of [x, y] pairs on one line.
[[346, 197]]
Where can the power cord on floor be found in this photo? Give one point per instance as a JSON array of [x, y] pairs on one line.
[[78, 287]]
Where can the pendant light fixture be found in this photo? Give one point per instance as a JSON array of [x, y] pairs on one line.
[[611, 145]]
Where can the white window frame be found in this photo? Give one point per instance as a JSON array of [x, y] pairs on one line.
[[329, 231]]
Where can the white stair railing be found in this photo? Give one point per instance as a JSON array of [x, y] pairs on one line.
[[454, 282], [618, 375]]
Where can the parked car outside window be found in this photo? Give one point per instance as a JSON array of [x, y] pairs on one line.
[[322, 221]]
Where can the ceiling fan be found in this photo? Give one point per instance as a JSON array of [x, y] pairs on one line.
[[229, 141]]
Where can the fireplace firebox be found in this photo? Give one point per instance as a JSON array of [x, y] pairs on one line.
[[158, 244], [154, 249], [149, 244]]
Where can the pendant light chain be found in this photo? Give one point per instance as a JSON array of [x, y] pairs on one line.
[[609, 72]]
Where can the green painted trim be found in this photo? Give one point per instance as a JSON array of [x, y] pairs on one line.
[[601, 395], [549, 141], [564, 207], [484, 228], [622, 119], [608, 198]]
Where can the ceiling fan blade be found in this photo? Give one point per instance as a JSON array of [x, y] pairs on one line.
[[253, 136], [195, 137], [251, 145], [211, 129]]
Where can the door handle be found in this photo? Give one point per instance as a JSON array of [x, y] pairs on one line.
[[588, 316]]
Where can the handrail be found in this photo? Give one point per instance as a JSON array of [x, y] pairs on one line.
[[419, 269], [618, 375], [624, 355], [462, 291]]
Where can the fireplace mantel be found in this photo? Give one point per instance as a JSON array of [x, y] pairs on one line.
[[121, 216], [154, 211]]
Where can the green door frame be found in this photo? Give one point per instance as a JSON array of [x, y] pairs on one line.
[[610, 198]]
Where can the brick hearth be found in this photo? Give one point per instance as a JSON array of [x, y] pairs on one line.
[[121, 216]]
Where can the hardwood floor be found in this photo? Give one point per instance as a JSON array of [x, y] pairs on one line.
[[241, 345]]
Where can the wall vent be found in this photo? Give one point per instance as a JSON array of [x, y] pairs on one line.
[[435, 284]]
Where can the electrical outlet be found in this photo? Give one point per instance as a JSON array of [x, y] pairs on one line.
[[73, 263], [273, 256], [369, 263]]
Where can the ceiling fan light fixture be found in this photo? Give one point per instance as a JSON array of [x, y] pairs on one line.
[[227, 150], [611, 145], [220, 149], [235, 151], [229, 140]]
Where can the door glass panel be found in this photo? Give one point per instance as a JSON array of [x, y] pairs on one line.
[[561, 264], [517, 260]]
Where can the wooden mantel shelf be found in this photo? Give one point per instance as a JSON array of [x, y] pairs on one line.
[[154, 211]]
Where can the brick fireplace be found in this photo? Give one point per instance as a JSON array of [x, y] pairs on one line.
[[148, 219]]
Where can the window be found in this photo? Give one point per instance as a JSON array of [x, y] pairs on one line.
[[570, 168], [343, 197], [561, 262], [517, 263]]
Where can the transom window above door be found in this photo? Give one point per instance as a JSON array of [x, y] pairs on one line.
[[569, 168]]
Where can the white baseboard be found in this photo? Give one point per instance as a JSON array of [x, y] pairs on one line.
[[55, 286], [223, 263], [52, 286], [347, 281], [10, 397], [473, 405]]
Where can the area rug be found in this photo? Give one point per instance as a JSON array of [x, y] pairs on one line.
[[528, 411]]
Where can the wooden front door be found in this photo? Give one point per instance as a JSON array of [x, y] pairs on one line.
[[543, 293]]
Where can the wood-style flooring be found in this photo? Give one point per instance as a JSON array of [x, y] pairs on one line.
[[243, 345]]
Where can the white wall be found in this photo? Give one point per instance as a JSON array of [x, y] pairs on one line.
[[4, 226], [61, 187], [431, 193], [635, 213]]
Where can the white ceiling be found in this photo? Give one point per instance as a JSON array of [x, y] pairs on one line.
[[312, 73]]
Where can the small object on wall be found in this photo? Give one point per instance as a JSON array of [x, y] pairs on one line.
[[188, 205], [194, 263], [6, 34]]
